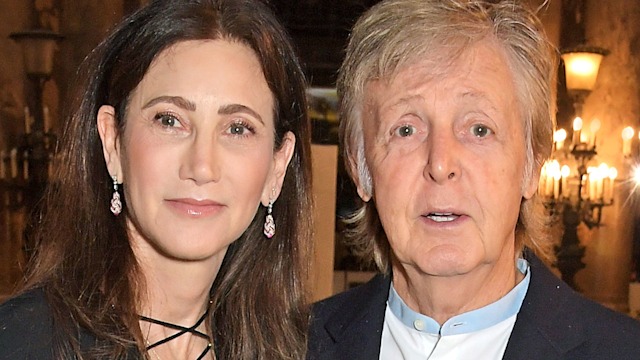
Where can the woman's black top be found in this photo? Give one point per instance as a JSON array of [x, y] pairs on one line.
[[27, 329]]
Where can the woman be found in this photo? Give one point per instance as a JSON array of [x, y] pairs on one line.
[[165, 235]]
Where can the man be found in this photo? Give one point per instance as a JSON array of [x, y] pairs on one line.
[[447, 116]]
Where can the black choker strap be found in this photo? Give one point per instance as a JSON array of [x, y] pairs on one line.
[[182, 330]]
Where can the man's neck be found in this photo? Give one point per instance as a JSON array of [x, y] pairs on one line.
[[442, 298]]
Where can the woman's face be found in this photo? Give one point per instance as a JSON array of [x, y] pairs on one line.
[[446, 152], [196, 156]]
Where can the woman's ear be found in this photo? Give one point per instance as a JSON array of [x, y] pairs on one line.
[[281, 159], [108, 130]]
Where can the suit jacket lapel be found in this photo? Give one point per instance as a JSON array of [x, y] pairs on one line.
[[357, 332], [546, 326]]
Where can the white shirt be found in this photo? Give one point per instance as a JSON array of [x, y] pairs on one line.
[[479, 334]]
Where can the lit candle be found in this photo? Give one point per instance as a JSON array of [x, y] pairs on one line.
[[25, 165], [592, 179], [603, 171], [577, 127], [612, 174], [548, 191], [46, 119], [553, 175], [627, 135], [3, 169], [595, 127], [564, 186], [543, 179], [584, 138], [27, 120], [558, 138], [50, 166], [14, 162], [556, 185]]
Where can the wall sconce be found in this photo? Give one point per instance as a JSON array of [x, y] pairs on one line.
[[573, 190], [24, 169], [581, 65], [38, 47]]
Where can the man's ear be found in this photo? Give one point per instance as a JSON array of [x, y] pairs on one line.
[[361, 177], [108, 130], [530, 185], [281, 159]]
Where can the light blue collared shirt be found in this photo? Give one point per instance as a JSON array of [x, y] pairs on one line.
[[494, 321]]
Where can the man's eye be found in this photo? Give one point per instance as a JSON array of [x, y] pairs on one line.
[[480, 131], [167, 120], [405, 130]]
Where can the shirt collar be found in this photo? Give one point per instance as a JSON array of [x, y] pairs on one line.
[[468, 322]]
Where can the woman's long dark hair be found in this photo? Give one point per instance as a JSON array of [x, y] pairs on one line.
[[84, 260]]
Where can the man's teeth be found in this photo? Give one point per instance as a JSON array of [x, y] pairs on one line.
[[442, 217]]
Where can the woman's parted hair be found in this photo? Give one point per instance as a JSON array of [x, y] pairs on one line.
[[84, 260], [396, 33]]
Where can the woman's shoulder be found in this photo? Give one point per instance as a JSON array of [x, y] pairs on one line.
[[26, 327]]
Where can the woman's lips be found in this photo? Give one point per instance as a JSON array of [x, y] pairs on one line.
[[193, 207]]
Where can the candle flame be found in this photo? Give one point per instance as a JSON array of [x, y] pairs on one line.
[[603, 167], [627, 133], [560, 135], [577, 123]]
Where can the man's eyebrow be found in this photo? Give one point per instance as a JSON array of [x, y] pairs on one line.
[[479, 96], [176, 100], [239, 108], [405, 99]]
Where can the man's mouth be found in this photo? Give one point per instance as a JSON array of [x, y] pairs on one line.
[[442, 217]]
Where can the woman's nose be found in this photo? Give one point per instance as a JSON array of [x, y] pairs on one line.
[[201, 161]]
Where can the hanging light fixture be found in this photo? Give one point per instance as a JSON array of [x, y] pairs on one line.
[[38, 48], [581, 65]]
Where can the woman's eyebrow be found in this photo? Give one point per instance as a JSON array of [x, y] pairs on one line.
[[239, 108], [176, 100]]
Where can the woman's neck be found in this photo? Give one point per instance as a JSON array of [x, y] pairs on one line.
[[176, 291]]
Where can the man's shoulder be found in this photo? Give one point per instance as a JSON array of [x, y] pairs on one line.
[[349, 324], [602, 322], [375, 289], [555, 318]]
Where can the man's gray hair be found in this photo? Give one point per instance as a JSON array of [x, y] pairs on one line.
[[396, 33]]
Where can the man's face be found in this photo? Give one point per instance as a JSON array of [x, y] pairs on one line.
[[446, 153]]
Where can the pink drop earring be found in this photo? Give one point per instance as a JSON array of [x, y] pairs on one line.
[[269, 225], [116, 204]]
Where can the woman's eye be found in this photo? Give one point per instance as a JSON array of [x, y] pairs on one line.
[[167, 120], [239, 129], [405, 130], [480, 131]]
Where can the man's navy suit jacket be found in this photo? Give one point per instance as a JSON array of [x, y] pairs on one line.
[[554, 322]]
